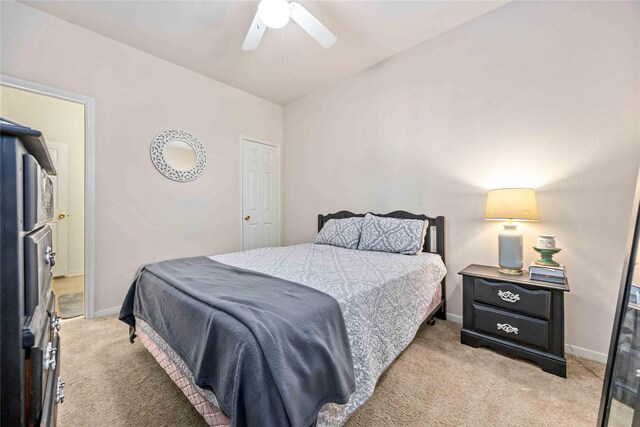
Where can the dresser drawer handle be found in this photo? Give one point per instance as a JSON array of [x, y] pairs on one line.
[[50, 256], [508, 296], [55, 321], [50, 357], [60, 391], [507, 328]]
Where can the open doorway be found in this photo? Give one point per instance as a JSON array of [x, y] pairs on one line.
[[62, 122]]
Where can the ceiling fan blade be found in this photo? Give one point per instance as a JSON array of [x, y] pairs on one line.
[[254, 35], [311, 25]]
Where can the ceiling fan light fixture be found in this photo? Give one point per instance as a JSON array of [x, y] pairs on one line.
[[274, 13]]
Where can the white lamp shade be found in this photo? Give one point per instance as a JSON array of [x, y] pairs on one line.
[[511, 204]]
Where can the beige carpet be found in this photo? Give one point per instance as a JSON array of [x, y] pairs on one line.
[[436, 381]]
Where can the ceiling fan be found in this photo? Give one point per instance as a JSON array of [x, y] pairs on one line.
[[276, 14]]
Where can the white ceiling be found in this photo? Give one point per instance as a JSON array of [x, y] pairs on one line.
[[206, 37]]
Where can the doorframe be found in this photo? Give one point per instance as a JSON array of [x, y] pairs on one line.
[[279, 148], [89, 176], [51, 145]]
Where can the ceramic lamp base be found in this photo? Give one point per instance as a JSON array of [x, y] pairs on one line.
[[510, 271], [510, 250]]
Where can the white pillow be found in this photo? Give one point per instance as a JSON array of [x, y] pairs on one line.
[[401, 236], [344, 233]]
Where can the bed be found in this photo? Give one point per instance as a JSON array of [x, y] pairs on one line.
[[384, 298]]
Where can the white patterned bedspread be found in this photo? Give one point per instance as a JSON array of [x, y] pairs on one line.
[[383, 297]]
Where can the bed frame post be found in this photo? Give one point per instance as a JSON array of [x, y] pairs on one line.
[[441, 249]]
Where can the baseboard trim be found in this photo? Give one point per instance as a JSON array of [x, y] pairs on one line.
[[454, 318], [74, 273], [585, 353], [107, 312]]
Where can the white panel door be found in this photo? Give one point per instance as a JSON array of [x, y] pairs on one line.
[[59, 225], [260, 195]]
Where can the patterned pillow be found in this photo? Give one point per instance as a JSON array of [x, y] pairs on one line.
[[344, 233], [402, 236]]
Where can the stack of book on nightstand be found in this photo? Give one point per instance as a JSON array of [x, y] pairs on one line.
[[547, 274]]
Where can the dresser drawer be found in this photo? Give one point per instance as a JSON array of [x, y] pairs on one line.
[[41, 358], [54, 392], [38, 195], [33, 325], [39, 258], [512, 326], [513, 297]]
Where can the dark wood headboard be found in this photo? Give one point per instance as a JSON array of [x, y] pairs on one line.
[[434, 241]]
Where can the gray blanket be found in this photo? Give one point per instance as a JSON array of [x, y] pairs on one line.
[[273, 351]]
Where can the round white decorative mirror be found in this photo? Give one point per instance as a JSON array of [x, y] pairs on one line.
[[178, 155]]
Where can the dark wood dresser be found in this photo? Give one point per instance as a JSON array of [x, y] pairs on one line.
[[514, 315], [29, 342]]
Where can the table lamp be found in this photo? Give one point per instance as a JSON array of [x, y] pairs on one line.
[[511, 204]]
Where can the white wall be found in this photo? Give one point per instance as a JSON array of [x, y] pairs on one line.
[[142, 216], [540, 94], [61, 121]]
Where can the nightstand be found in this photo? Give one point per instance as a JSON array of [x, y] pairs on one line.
[[514, 315]]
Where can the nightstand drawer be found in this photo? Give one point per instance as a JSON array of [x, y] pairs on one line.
[[513, 327], [513, 297]]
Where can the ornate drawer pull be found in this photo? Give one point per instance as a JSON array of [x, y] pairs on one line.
[[507, 328], [49, 361], [50, 256], [60, 391], [508, 296], [55, 321]]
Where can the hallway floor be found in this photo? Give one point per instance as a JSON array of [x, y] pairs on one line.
[[69, 285]]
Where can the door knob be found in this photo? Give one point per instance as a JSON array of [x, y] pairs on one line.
[[62, 215], [247, 218]]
